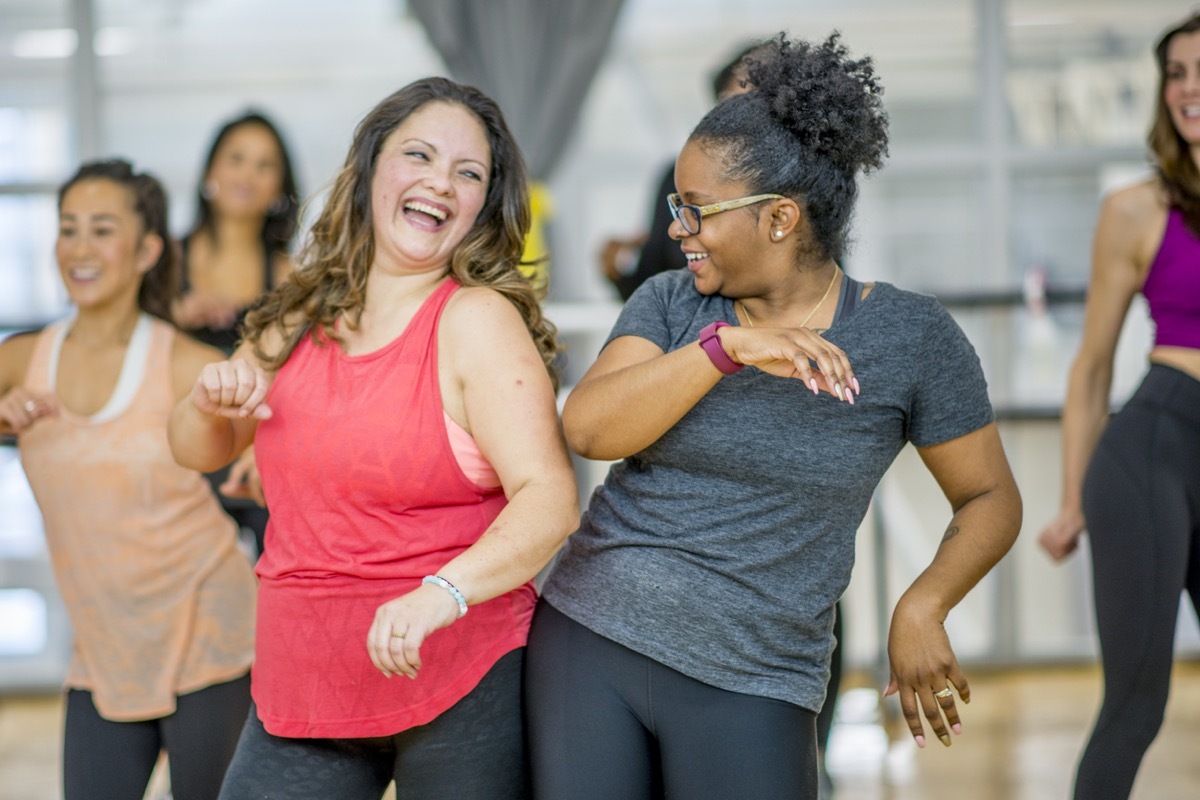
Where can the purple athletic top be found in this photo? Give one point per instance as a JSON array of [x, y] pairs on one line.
[[1172, 288]]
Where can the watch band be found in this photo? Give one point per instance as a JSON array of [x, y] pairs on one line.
[[710, 342]]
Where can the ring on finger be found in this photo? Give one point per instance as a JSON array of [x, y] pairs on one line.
[[397, 635], [944, 694]]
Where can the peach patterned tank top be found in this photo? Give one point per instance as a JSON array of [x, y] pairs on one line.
[[160, 598]]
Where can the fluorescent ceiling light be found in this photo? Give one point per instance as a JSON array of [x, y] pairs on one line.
[[50, 43]]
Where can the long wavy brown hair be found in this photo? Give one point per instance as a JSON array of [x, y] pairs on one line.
[[331, 280], [1173, 157]]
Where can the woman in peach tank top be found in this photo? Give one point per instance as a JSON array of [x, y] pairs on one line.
[[161, 599], [406, 340]]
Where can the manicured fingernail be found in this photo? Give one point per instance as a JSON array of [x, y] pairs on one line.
[[957, 728], [837, 390], [812, 384], [945, 737], [920, 740], [857, 388], [849, 396]]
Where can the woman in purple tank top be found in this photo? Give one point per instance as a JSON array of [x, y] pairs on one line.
[[1134, 482]]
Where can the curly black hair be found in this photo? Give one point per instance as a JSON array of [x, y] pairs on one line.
[[813, 120]]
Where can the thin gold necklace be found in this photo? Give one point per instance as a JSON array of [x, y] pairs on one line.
[[821, 302]]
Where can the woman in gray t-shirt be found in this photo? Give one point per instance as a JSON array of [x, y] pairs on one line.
[[755, 401]]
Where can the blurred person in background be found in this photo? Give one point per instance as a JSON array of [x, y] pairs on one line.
[[628, 261], [399, 392], [1133, 482], [753, 402], [160, 599], [237, 249]]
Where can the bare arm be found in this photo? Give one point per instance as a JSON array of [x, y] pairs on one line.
[[218, 413], [19, 407], [507, 402], [1118, 264], [974, 474], [635, 393]]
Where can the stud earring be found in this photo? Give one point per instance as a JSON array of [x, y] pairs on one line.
[[777, 234]]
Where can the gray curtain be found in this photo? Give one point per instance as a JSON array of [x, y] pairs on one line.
[[535, 58]]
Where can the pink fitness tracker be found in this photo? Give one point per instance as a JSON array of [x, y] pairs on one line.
[[710, 341]]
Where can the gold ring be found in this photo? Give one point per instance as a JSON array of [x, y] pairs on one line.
[[397, 635], [943, 694], [30, 406]]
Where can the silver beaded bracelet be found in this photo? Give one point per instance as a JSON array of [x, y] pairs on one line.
[[438, 580]]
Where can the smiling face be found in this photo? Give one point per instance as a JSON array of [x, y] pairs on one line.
[[246, 174], [430, 182], [726, 255], [1181, 85], [102, 248]]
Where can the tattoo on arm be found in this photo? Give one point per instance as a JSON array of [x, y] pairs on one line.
[[951, 532]]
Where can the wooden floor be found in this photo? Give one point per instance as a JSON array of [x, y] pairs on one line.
[[1022, 734]]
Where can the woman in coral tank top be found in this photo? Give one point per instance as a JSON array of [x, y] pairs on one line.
[[161, 599], [398, 391], [1134, 482]]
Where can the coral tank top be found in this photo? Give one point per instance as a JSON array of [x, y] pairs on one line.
[[366, 498]]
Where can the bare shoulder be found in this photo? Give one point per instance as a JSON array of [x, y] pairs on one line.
[[282, 267], [1131, 225], [188, 351], [477, 311], [16, 353], [482, 334], [188, 357], [1143, 202]]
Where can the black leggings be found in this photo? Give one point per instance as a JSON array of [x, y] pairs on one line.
[[606, 722], [106, 760], [1141, 499], [473, 751]]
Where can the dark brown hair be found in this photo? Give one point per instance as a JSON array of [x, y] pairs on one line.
[[279, 225], [1173, 159], [160, 284]]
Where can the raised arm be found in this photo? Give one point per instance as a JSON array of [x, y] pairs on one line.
[[974, 474], [499, 387], [219, 408], [635, 393], [1123, 233], [19, 407]]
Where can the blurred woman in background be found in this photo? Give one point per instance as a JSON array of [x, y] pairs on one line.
[[1134, 482], [160, 599], [237, 249]]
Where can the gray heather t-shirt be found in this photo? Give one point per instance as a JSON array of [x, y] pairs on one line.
[[721, 549]]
